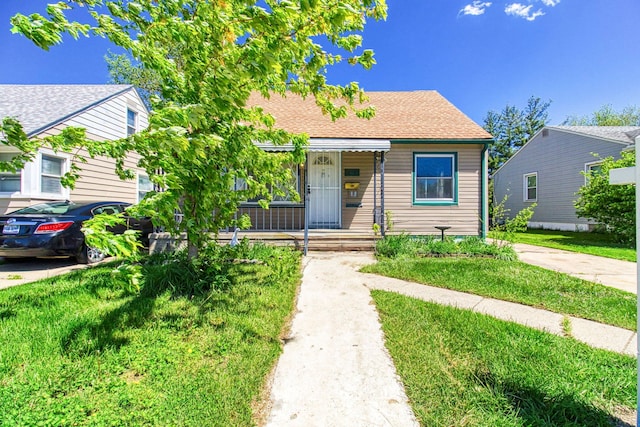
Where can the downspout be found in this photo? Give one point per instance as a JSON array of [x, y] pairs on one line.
[[382, 194], [375, 188], [484, 191]]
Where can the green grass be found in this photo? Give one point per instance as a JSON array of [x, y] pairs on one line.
[[78, 350], [517, 282], [466, 369], [600, 244]]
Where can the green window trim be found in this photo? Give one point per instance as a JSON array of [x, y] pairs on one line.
[[435, 201]]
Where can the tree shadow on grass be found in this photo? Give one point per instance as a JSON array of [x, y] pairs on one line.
[[538, 408], [92, 333]]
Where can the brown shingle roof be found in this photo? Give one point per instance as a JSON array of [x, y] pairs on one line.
[[399, 115]]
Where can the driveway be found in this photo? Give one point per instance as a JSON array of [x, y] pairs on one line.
[[18, 271], [606, 271]]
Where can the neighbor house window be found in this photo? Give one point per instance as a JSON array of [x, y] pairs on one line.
[[132, 118], [434, 178], [51, 171], [591, 168], [144, 186], [9, 182], [531, 187]]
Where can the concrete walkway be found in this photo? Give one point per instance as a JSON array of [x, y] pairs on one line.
[[606, 271], [335, 370]]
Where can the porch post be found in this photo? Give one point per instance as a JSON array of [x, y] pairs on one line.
[[382, 193], [375, 184], [307, 192]]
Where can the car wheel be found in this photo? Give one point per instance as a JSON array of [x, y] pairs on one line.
[[89, 255]]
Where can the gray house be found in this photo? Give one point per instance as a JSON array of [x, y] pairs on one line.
[[547, 171]]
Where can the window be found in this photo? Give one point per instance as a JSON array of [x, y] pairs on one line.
[[531, 187], [144, 186], [9, 182], [52, 169], [132, 118], [241, 184], [591, 168], [434, 178]]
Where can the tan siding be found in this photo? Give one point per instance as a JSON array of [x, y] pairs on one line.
[[361, 218], [98, 180], [464, 218]]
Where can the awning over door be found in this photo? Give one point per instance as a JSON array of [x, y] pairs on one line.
[[319, 144]]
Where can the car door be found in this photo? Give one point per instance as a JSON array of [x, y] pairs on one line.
[[111, 209]]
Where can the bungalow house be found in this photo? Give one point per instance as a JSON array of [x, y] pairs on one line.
[[107, 112], [419, 164], [548, 170]]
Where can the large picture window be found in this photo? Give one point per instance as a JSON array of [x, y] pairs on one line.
[[51, 173], [240, 184], [530, 187], [434, 178]]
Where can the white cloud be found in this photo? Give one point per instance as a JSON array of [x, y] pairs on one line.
[[522, 11], [550, 3], [477, 8]]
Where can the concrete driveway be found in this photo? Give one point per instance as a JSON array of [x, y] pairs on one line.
[[15, 272], [606, 271]]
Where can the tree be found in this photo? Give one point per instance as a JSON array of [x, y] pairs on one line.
[[611, 205], [512, 128], [607, 116], [208, 58], [123, 71]]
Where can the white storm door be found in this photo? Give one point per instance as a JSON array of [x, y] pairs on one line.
[[324, 183]]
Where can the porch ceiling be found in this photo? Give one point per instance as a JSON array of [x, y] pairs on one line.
[[325, 144]]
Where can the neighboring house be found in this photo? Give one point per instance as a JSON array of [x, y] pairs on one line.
[[419, 162], [548, 170], [107, 112]]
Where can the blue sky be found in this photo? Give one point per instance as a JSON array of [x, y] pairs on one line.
[[481, 55]]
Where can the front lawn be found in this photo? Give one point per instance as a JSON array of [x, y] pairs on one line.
[[516, 282], [601, 244], [78, 350], [461, 368]]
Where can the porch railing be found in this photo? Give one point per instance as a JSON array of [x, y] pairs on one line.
[[276, 218]]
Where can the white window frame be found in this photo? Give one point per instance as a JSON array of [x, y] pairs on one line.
[[138, 189], [454, 179], [131, 129], [588, 167], [64, 192], [525, 187]]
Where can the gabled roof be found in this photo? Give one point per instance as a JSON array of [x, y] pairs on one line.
[[623, 134], [39, 107], [420, 115]]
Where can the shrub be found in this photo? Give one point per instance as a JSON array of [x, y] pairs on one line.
[[405, 245]]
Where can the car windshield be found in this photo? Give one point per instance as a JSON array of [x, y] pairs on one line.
[[57, 208]]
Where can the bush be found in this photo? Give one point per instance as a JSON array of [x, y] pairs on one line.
[[611, 205], [412, 246], [215, 268]]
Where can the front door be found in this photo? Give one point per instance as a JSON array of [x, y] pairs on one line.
[[324, 183]]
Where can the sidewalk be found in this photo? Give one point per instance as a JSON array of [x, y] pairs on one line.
[[335, 370]]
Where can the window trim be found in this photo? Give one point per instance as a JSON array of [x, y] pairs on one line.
[[436, 202], [525, 187]]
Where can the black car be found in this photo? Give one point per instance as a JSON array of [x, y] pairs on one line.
[[53, 229]]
